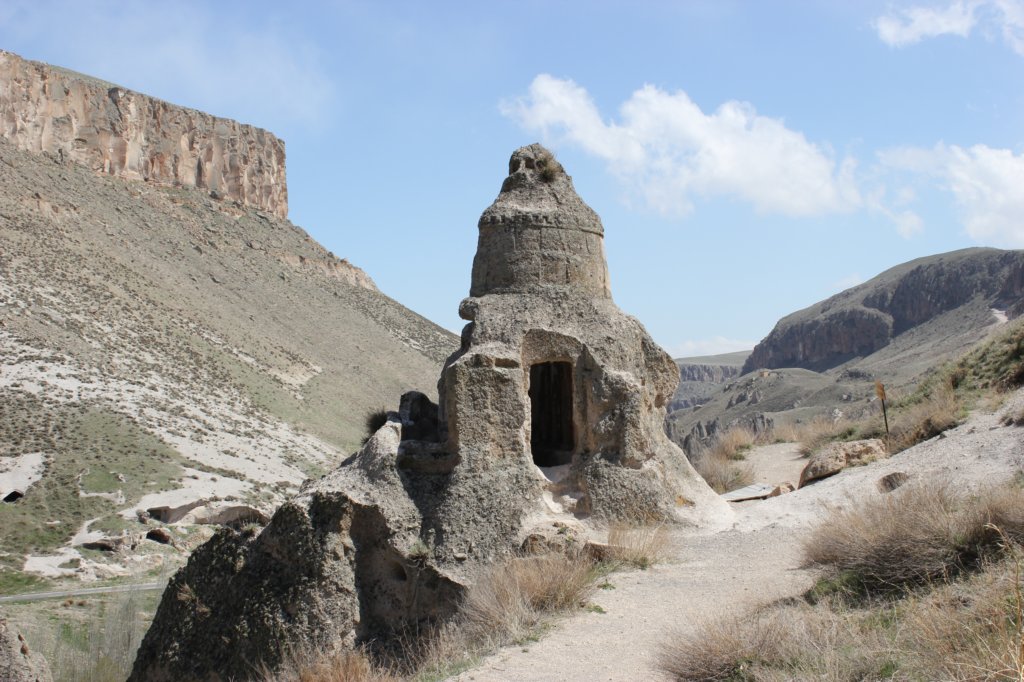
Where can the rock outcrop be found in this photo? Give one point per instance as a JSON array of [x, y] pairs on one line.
[[700, 378], [550, 413], [835, 457], [862, 320], [112, 130], [18, 663]]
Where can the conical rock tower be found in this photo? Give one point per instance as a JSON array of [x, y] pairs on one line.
[[550, 423]]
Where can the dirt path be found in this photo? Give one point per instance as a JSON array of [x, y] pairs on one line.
[[712, 575], [84, 592]]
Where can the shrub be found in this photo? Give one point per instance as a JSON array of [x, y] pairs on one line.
[[733, 444], [956, 625], [924, 418], [549, 168], [344, 666], [722, 474], [508, 601], [792, 642], [918, 534], [639, 546], [373, 421]]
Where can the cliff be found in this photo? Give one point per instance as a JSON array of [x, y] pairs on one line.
[[700, 377], [111, 130], [954, 292]]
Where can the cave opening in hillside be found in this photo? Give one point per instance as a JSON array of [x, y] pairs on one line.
[[552, 436]]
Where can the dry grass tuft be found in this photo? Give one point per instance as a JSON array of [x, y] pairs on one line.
[[797, 642], [934, 409], [811, 435], [640, 546], [344, 666], [919, 534], [509, 601], [917, 422], [733, 444], [723, 474], [373, 421], [1014, 418], [970, 631], [956, 625]]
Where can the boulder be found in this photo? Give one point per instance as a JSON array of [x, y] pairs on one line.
[[782, 489], [18, 663], [835, 457]]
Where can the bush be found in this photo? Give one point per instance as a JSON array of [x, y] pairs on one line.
[[793, 642], [344, 666], [639, 546], [722, 474], [955, 624], [938, 410], [733, 444], [373, 421], [549, 168], [916, 535], [508, 601]]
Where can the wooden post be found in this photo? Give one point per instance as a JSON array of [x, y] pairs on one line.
[[880, 392]]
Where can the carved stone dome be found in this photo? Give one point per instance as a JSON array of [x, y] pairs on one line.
[[538, 235]]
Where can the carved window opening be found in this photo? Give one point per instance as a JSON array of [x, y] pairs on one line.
[[552, 435]]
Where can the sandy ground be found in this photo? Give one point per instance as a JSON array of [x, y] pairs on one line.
[[757, 562]]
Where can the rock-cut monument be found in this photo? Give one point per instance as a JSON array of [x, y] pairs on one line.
[[550, 417]]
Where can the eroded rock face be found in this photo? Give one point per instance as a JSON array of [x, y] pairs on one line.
[[18, 663], [550, 417], [868, 317], [123, 133]]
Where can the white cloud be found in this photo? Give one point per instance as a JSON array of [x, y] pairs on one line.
[[245, 67], [670, 152], [713, 346], [987, 185], [912, 25], [908, 26]]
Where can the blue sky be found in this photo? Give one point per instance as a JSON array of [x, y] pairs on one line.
[[747, 158]]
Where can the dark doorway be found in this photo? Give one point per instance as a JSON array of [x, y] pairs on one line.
[[552, 437]]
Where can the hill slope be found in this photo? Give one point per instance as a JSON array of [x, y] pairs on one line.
[[160, 348], [943, 300], [823, 360]]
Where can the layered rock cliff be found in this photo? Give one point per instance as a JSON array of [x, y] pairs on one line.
[[112, 130], [700, 377], [955, 291]]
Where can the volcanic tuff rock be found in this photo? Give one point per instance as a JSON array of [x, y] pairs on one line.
[[118, 132], [550, 413], [955, 291]]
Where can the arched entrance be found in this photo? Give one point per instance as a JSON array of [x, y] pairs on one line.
[[552, 436]]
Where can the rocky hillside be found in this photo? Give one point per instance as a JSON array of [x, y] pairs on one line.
[[115, 131], [824, 360], [171, 353], [700, 376], [945, 298]]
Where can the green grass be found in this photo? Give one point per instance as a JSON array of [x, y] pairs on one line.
[[15, 582], [90, 446]]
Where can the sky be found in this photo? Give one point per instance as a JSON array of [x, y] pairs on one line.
[[747, 158]]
